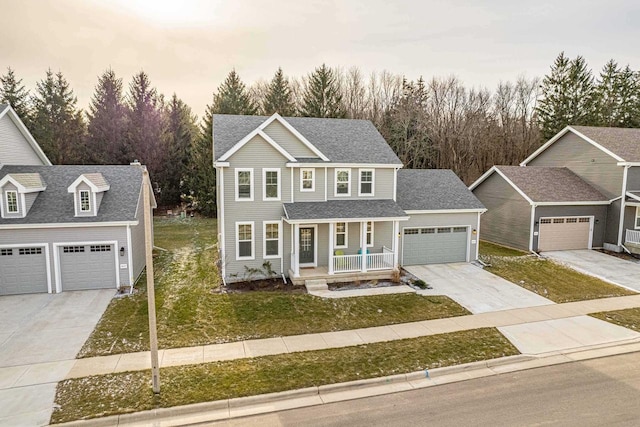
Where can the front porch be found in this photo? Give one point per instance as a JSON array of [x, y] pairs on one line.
[[632, 241], [322, 272]]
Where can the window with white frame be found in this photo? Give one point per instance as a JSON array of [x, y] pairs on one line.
[[271, 179], [638, 217], [369, 233], [307, 180], [244, 184], [85, 204], [245, 242], [343, 182], [341, 235], [12, 201], [272, 240], [366, 182]]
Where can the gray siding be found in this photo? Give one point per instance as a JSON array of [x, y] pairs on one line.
[[256, 154], [309, 196], [287, 140], [613, 223], [585, 160], [29, 199], [598, 212], [444, 219], [633, 178], [508, 217], [70, 235], [14, 147], [383, 184]]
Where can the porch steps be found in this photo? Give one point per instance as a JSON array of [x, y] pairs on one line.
[[314, 285]]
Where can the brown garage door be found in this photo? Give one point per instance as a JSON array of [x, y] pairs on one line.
[[557, 234]]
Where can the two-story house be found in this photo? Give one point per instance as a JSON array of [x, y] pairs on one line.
[[65, 227], [327, 198], [580, 190]]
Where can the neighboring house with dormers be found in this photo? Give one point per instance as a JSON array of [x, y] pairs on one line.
[[65, 227], [327, 199], [580, 190]]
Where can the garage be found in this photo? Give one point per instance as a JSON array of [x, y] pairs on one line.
[[87, 267], [434, 245], [564, 233], [23, 270]]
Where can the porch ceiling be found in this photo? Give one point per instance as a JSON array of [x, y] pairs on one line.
[[372, 210]]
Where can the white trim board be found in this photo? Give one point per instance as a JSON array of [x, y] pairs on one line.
[[68, 225], [328, 220]]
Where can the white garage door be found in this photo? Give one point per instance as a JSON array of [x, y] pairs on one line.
[[557, 234], [23, 270], [434, 245], [87, 267]]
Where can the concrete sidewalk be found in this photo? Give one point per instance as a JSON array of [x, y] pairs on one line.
[[17, 376]]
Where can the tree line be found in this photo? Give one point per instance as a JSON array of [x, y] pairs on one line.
[[435, 123]]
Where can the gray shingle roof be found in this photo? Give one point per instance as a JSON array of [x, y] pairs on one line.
[[551, 184], [623, 142], [433, 189], [347, 209], [340, 140], [55, 204]]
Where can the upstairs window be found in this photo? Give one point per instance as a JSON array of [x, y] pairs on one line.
[[307, 181], [12, 201], [271, 179], [343, 182], [366, 182], [244, 184], [85, 205]]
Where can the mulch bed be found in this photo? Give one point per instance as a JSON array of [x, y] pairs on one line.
[[264, 285], [621, 255]]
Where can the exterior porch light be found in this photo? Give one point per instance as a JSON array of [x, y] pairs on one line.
[[474, 231], [122, 251]]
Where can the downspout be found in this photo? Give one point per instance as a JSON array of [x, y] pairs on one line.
[[622, 204], [533, 222]]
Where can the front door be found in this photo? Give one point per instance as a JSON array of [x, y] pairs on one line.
[[307, 246]]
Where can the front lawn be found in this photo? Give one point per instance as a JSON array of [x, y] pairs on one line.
[[191, 312], [105, 395], [552, 280], [628, 318], [488, 249]]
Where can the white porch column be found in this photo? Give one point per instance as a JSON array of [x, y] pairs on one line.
[[332, 226], [363, 245], [296, 250], [396, 242]]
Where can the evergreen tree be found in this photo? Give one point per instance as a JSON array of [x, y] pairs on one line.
[[145, 126], [568, 96], [13, 92], [180, 135], [202, 176], [56, 123], [233, 98], [278, 98], [107, 122], [617, 96], [322, 97]]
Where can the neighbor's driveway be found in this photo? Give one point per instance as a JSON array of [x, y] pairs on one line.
[[40, 336], [606, 267], [474, 288]]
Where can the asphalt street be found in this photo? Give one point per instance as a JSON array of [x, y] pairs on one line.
[[596, 392]]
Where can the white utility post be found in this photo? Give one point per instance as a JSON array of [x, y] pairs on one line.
[[331, 233], [363, 245], [151, 296]]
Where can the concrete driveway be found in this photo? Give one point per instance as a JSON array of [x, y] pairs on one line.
[[606, 267], [474, 288], [37, 330]]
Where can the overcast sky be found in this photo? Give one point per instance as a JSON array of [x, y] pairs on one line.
[[189, 46]]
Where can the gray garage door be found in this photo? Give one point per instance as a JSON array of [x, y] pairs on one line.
[[434, 245], [23, 270], [87, 267]]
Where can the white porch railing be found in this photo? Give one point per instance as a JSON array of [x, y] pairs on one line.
[[632, 236], [383, 261], [347, 263], [352, 263]]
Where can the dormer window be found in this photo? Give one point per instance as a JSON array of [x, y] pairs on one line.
[[88, 191], [12, 201], [85, 204]]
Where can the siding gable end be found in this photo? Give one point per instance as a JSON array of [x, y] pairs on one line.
[[287, 140]]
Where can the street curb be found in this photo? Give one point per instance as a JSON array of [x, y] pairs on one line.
[[312, 396]]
